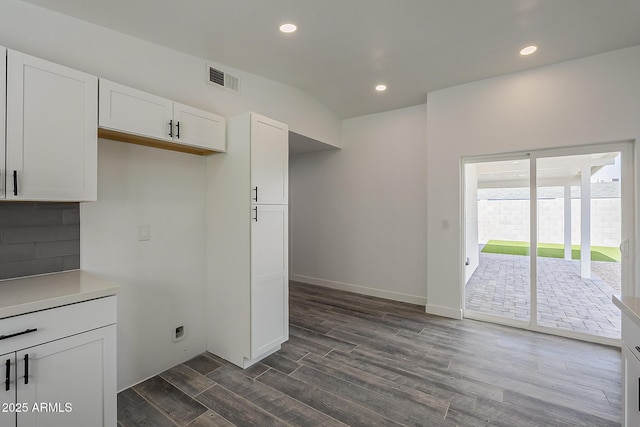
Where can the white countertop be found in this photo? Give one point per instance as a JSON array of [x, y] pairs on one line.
[[27, 294], [629, 306]]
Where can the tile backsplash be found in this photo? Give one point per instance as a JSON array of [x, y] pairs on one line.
[[37, 238]]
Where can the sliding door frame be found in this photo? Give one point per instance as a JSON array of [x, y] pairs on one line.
[[628, 230]]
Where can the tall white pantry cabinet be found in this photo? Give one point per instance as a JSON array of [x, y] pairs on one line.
[[247, 241]]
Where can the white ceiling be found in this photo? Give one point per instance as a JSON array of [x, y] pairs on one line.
[[344, 47]]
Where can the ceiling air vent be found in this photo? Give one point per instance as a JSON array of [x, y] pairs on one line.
[[222, 79]]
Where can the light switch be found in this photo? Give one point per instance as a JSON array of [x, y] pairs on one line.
[[144, 232]]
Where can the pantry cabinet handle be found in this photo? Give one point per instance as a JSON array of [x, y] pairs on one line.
[[178, 127], [256, 210], [15, 183], [171, 128], [256, 190], [26, 368], [7, 378], [26, 331]]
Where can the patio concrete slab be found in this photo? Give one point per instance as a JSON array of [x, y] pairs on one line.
[[500, 287]]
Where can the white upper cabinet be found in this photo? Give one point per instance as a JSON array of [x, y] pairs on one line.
[[199, 128], [133, 111], [135, 116], [51, 131], [269, 161]]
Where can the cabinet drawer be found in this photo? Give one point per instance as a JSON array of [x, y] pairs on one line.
[[56, 323]]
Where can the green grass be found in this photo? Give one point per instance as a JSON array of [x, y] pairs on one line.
[[551, 250]]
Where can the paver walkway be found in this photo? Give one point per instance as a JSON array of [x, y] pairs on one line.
[[500, 287]]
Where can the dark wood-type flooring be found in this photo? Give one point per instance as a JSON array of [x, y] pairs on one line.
[[363, 361]]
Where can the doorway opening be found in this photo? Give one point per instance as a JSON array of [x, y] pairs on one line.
[[546, 241]]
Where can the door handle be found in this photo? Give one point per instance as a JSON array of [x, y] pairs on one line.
[[178, 127], [624, 247], [7, 378], [26, 331], [15, 183], [26, 368], [171, 128]]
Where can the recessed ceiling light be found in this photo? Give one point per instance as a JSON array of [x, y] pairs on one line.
[[288, 28], [381, 87], [528, 50]]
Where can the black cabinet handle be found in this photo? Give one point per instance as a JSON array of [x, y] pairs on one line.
[[15, 183], [26, 368], [255, 199], [256, 210], [7, 378], [26, 331], [171, 128], [178, 126]]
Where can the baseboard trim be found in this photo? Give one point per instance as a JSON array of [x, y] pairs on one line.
[[363, 290], [439, 310]]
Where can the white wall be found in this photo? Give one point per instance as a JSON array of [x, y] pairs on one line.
[[162, 280], [590, 100], [358, 214]]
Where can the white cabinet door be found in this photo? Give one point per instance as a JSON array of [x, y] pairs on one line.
[[136, 112], [70, 381], [3, 104], [269, 277], [52, 114], [8, 391], [269, 161], [631, 388], [199, 128]]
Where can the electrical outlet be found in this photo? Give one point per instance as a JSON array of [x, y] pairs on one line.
[[178, 333]]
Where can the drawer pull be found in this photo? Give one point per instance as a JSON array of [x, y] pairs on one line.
[[7, 378], [26, 331], [638, 348], [26, 368]]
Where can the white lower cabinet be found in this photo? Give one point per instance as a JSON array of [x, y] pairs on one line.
[[61, 372], [631, 388], [631, 371], [269, 278]]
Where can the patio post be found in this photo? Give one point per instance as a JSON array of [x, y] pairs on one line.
[[585, 222], [567, 222]]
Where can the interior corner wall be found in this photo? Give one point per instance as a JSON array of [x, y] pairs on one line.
[[358, 213], [162, 280], [589, 100]]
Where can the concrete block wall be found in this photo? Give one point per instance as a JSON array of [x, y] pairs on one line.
[[38, 238], [509, 220]]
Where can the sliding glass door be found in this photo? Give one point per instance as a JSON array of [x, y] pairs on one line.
[[543, 234], [579, 203], [497, 244]]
